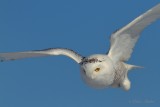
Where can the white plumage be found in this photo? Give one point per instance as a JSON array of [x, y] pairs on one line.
[[99, 70]]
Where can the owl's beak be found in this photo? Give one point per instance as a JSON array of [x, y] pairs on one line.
[[93, 77]]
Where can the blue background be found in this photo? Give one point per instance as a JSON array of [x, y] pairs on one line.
[[84, 26]]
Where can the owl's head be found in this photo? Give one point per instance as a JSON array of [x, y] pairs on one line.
[[98, 68]]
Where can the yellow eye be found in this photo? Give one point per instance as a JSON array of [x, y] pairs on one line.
[[97, 69]]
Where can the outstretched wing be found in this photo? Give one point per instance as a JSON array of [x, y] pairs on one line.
[[40, 53], [123, 41]]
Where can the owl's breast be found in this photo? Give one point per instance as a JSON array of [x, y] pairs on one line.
[[100, 81]]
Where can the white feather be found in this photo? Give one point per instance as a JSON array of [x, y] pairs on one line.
[[123, 41], [40, 53]]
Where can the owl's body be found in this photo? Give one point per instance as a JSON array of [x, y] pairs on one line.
[[100, 71]]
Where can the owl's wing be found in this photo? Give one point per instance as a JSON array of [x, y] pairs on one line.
[[123, 40], [39, 53]]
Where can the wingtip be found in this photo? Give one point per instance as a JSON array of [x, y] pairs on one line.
[[2, 59]]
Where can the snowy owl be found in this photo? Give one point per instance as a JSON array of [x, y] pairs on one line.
[[103, 70]]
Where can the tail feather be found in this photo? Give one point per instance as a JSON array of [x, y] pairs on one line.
[[131, 67]]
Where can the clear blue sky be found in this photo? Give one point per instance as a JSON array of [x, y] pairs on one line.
[[84, 26]]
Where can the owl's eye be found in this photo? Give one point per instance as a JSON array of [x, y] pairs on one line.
[[97, 69]]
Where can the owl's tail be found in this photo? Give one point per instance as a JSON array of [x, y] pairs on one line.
[[131, 67]]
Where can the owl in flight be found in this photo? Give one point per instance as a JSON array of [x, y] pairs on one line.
[[103, 70]]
